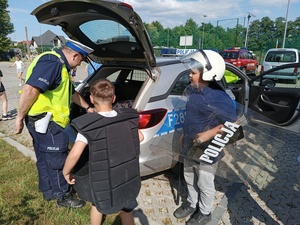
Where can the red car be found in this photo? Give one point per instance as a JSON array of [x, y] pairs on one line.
[[241, 58]]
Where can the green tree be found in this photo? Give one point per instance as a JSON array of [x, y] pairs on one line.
[[153, 33], [6, 27], [294, 36]]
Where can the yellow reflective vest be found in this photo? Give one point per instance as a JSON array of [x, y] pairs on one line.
[[56, 101]]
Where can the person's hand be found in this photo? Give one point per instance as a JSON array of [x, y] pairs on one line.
[[209, 134], [69, 178], [19, 125], [181, 140]]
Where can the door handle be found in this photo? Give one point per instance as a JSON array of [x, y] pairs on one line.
[[267, 89]]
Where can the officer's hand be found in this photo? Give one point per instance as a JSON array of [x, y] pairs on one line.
[[19, 125]]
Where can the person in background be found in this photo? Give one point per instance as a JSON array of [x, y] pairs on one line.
[[102, 96], [73, 74], [91, 67], [45, 102], [207, 109], [20, 68], [4, 100]]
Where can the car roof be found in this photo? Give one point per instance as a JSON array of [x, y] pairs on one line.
[[167, 60], [231, 50], [283, 49], [112, 28]]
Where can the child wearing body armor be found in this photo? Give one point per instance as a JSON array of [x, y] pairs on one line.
[[102, 96]]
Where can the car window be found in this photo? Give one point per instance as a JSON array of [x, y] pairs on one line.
[[181, 84], [106, 31], [243, 55], [282, 78], [114, 76], [128, 75], [281, 56], [137, 75]]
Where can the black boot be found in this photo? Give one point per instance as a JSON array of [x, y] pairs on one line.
[[184, 210], [69, 200], [199, 219]]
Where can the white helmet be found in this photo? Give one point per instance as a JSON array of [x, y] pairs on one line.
[[212, 63]]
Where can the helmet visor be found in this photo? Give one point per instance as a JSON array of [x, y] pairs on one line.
[[197, 60]]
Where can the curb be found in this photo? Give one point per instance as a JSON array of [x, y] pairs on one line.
[[21, 148]]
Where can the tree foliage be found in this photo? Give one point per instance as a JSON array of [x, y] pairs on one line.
[[6, 27]]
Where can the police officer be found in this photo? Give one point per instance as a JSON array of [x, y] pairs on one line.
[[45, 103]]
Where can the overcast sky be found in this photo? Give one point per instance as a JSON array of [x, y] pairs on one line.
[[169, 13]]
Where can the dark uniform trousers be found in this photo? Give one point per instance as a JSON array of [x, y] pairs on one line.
[[51, 151]]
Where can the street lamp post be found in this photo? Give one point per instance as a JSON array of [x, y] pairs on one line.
[[203, 32], [246, 38], [286, 21]]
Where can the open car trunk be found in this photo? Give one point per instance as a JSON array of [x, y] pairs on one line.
[[127, 81]]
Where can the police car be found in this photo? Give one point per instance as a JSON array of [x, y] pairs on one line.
[[154, 86]]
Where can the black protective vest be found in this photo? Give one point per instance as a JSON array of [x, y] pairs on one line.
[[108, 173]]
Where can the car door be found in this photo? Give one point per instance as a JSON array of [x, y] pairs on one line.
[[277, 101], [267, 101], [250, 62]]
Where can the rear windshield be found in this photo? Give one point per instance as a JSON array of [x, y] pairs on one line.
[[281, 56], [229, 55], [106, 31]]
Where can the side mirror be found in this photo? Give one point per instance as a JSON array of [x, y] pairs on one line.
[[268, 83]]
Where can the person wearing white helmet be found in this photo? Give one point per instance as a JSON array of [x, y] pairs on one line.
[[208, 107]]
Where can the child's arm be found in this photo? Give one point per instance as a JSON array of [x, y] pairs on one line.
[[12, 64], [209, 134], [141, 136], [72, 159]]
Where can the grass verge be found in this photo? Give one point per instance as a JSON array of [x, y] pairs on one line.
[[21, 203]]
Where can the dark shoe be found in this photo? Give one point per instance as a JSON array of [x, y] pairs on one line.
[[6, 117], [69, 200], [184, 210], [199, 219]]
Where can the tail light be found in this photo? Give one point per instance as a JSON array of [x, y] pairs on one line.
[[295, 70], [151, 118]]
